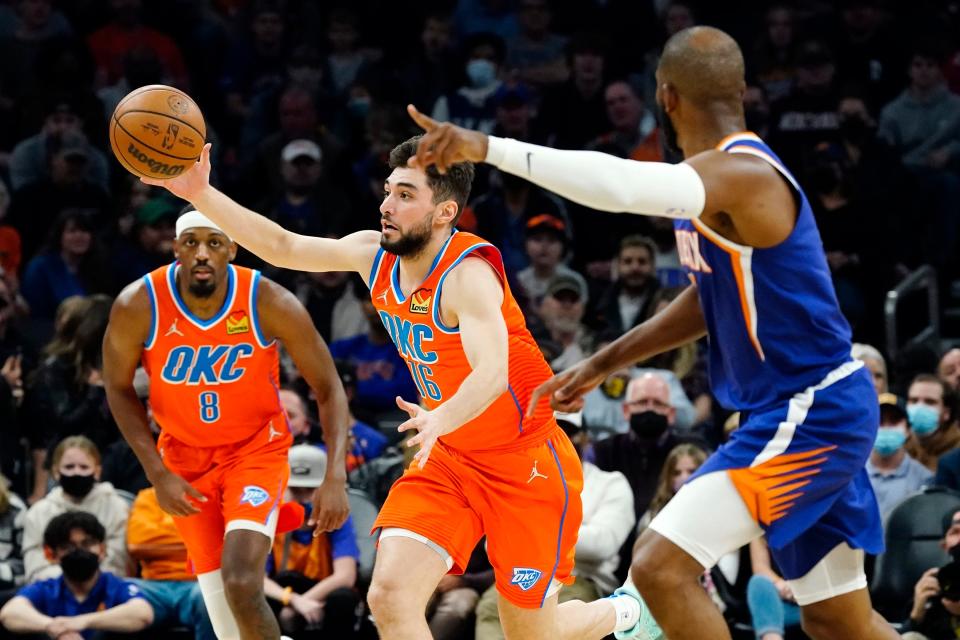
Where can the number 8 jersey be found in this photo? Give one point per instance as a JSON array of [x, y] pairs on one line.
[[212, 382], [434, 354]]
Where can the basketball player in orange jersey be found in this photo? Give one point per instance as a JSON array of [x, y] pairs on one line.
[[483, 467], [206, 332]]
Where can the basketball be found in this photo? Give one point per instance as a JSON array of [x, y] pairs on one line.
[[157, 132]]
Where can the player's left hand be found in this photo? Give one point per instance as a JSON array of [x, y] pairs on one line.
[[330, 506], [427, 426], [445, 144]]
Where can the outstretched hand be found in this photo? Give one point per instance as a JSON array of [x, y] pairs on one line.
[[428, 429], [444, 144], [189, 184], [566, 389]]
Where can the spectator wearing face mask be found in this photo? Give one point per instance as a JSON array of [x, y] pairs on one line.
[[932, 414], [640, 453], [895, 476], [473, 105], [84, 599], [76, 468]]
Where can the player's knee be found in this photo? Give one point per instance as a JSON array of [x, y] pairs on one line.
[[654, 571], [241, 586], [388, 601]]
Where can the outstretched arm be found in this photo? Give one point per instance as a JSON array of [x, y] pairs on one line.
[[472, 297], [681, 322], [733, 190], [266, 238], [283, 317]]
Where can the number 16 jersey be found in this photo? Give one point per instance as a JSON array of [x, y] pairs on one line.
[[215, 381], [436, 359]]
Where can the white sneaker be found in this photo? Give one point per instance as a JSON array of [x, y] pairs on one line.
[[646, 627]]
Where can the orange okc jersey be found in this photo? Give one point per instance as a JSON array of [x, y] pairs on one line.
[[212, 382], [434, 354]]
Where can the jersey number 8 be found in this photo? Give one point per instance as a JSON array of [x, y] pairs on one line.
[[209, 406]]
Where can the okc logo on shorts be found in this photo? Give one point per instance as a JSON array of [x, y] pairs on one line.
[[525, 578], [254, 495]]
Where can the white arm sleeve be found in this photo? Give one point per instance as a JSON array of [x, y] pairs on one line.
[[601, 181]]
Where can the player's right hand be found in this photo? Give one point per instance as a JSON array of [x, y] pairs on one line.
[[566, 389], [189, 184], [176, 495]]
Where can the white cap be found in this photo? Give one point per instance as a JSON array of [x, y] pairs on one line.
[[299, 148], [195, 219], [576, 418], [308, 464]]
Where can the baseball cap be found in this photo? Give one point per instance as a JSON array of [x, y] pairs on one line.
[[893, 406], [814, 54], [301, 148], [156, 209], [571, 423], [511, 96], [567, 283], [308, 464], [546, 222]]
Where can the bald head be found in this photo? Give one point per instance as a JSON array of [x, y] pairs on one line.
[[704, 65]]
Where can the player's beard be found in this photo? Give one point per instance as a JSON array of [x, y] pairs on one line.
[[410, 243], [670, 142], [202, 288]]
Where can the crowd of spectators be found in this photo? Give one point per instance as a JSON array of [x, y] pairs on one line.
[[303, 101]]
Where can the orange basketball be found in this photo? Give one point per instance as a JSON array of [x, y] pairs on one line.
[[157, 131]]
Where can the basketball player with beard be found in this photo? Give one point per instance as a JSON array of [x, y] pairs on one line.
[[484, 466], [206, 333]]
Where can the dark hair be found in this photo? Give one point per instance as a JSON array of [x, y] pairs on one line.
[[928, 48], [452, 185], [638, 240], [80, 218], [486, 38], [57, 533], [950, 397]]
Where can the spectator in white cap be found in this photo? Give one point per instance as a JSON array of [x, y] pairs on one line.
[[310, 203], [607, 522], [310, 579]]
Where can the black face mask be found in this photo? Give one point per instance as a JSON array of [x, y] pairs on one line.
[[77, 486], [79, 565], [854, 130], [648, 425], [669, 132]]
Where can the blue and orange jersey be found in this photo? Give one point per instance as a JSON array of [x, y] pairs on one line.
[[772, 316], [436, 358], [214, 381]]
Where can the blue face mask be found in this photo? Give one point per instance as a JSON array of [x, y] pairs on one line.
[[923, 419], [481, 72], [889, 440]]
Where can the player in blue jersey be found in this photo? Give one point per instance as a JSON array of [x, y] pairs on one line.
[[779, 353]]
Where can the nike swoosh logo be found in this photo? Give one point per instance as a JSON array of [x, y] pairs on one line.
[[529, 153]]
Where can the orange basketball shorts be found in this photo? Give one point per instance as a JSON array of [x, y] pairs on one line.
[[243, 482], [526, 502]]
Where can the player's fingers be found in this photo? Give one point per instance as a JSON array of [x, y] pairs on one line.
[[151, 181], [546, 388], [425, 122], [409, 407], [415, 441], [190, 489], [567, 406], [443, 150], [204, 158]]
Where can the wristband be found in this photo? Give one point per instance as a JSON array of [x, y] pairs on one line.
[[287, 596]]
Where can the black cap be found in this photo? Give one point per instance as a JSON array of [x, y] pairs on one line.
[[814, 54]]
